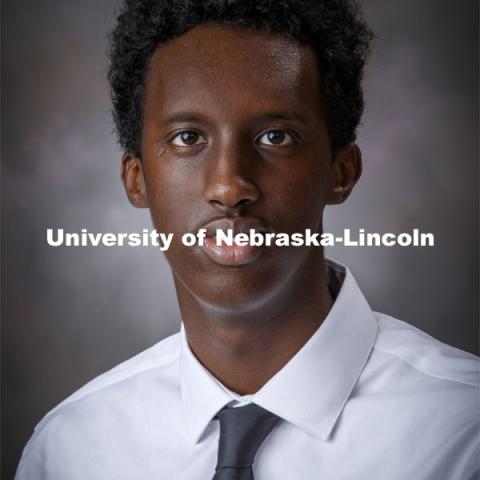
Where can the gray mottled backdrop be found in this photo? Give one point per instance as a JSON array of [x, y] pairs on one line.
[[70, 314]]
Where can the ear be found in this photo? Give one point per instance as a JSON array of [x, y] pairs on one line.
[[133, 180], [344, 174]]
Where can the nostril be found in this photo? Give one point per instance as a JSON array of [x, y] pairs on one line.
[[232, 203], [243, 201], [215, 203], [231, 194], [227, 205]]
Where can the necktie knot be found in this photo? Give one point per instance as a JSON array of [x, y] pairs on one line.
[[242, 431]]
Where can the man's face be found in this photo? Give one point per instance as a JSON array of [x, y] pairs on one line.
[[234, 131]]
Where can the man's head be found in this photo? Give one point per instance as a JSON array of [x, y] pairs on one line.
[[334, 29], [243, 112]]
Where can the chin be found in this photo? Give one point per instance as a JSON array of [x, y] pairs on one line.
[[228, 290], [243, 289]]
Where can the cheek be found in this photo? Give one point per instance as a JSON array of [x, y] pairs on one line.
[[172, 202], [172, 194], [298, 196]]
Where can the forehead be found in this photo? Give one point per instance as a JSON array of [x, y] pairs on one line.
[[216, 67]]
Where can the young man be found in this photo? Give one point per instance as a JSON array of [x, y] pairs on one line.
[[238, 115]]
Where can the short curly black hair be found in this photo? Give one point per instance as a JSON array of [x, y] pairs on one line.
[[335, 29]]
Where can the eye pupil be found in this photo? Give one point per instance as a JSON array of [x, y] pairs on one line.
[[276, 137], [189, 138]]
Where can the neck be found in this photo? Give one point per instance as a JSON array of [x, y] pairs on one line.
[[244, 350]]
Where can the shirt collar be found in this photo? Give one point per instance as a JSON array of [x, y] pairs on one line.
[[202, 394], [311, 390]]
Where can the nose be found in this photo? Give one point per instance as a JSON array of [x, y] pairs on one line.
[[230, 178]]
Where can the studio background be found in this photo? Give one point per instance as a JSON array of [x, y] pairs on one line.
[[69, 314]]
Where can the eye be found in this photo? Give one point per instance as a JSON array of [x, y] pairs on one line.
[[276, 138], [187, 138]]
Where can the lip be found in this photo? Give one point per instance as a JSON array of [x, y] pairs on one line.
[[232, 255]]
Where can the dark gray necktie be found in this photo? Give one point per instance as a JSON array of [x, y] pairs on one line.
[[242, 431]]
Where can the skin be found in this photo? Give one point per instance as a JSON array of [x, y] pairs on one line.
[[234, 127]]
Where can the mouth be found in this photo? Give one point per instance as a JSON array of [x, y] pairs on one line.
[[233, 255]]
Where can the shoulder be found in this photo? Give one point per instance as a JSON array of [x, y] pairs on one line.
[[418, 375], [113, 401], [159, 356], [417, 387], [406, 344]]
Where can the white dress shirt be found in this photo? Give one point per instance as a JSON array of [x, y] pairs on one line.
[[367, 397]]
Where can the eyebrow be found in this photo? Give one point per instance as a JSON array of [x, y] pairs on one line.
[[192, 117], [184, 117], [292, 116]]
